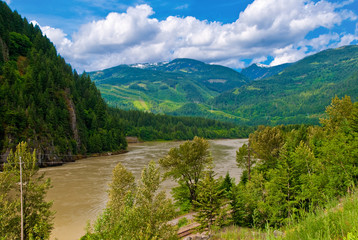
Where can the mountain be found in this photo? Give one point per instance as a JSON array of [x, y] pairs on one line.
[[214, 77], [256, 71], [288, 93], [44, 102], [299, 93], [165, 87]]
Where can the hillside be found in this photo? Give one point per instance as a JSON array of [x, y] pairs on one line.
[[166, 87], [45, 103], [256, 72], [299, 93]]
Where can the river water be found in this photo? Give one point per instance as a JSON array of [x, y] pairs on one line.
[[79, 188]]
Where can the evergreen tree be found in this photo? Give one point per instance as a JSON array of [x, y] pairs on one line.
[[213, 210]]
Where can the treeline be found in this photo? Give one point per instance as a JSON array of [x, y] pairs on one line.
[[44, 102], [149, 126]]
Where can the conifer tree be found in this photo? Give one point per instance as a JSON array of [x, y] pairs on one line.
[[211, 205]]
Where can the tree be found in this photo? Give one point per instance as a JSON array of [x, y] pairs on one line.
[[338, 111], [121, 188], [135, 212], [244, 159], [266, 144], [211, 205], [187, 163], [37, 212]]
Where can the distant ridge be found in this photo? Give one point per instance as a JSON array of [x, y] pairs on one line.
[[284, 94], [298, 94], [259, 71]]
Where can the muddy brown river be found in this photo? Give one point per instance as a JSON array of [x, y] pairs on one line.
[[79, 188]]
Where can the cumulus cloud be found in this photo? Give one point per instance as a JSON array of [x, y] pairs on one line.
[[276, 28], [57, 36]]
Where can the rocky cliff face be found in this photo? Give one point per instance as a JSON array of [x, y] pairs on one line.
[[4, 51], [73, 121]]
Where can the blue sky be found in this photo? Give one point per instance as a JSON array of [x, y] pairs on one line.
[[93, 35]]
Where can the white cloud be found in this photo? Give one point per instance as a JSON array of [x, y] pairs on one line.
[[57, 36], [8, 2], [274, 28]]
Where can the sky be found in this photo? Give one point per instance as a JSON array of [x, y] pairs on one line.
[[94, 35]]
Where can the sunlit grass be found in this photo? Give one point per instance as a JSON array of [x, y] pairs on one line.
[[339, 220]]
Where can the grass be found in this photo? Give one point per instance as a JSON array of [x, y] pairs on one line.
[[334, 222], [141, 105], [339, 220], [237, 233]]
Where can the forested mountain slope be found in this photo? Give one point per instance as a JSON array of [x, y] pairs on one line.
[[43, 102], [299, 93]]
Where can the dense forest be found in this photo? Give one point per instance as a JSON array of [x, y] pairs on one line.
[[45, 102], [149, 126], [61, 113], [290, 173]]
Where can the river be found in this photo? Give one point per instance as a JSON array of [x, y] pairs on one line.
[[79, 188]]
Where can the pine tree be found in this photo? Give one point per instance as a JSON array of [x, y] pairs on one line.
[[211, 205]]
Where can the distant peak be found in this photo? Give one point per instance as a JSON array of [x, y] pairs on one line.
[[262, 65], [147, 65]]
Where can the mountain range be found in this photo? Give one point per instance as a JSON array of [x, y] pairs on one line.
[[289, 93]]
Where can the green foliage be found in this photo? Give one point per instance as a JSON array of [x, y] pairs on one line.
[[149, 126], [182, 222], [211, 205], [187, 163], [37, 214], [44, 102], [181, 194], [19, 44], [298, 170], [336, 221], [135, 212]]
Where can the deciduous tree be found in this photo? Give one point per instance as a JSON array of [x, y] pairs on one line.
[[187, 163], [38, 216]]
